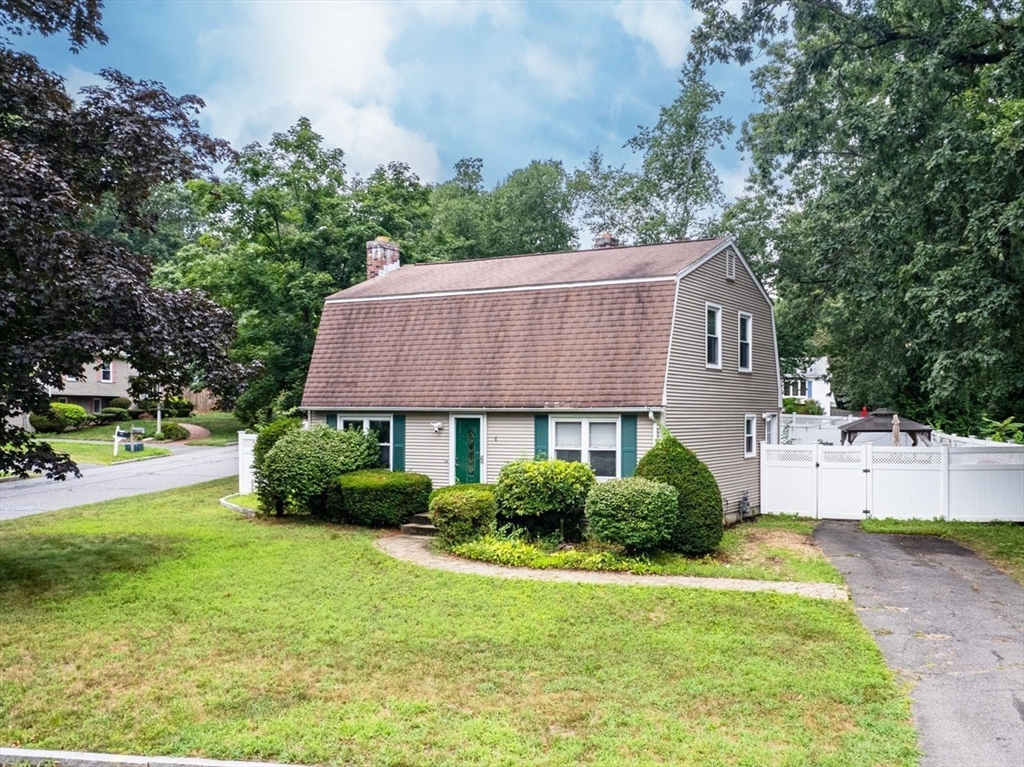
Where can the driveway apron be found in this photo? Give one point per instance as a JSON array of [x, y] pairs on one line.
[[952, 626]]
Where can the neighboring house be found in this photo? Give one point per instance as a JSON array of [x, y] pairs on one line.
[[812, 384], [101, 383], [461, 367]]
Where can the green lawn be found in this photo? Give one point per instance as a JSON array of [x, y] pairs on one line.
[[103, 454], [223, 428], [170, 625], [772, 548], [1001, 543]]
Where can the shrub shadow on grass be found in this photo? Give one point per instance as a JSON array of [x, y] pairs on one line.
[[65, 565]]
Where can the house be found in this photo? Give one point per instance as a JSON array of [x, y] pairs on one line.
[[812, 384], [461, 367], [101, 383]]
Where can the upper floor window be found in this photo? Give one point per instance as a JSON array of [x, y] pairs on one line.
[[745, 329], [595, 443], [106, 372], [713, 331], [795, 388], [379, 426]]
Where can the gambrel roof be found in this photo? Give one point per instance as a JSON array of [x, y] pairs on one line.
[[576, 330]]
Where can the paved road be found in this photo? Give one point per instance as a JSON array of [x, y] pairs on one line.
[[188, 466], [953, 626]]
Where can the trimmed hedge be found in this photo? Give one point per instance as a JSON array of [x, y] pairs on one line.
[[122, 402], [458, 488], [545, 497], [298, 471], [115, 414], [172, 432], [179, 407], [268, 437], [698, 527], [72, 416], [46, 423], [376, 498], [636, 513], [463, 513]]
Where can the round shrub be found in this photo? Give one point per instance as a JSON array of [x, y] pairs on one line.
[[698, 526], [172, 432], [463, 513], [635, 513], [115, 414], [179, 407], [122, 402], [297, 472], [376, 497], [268, 437], [46, 423], [545, 497], [72, 416]]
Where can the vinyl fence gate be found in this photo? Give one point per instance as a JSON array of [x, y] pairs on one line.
[[978, 484]]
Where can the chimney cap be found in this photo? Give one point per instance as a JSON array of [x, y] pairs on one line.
[[606, 240]]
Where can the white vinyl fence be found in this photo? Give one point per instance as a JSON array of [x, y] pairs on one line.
[[246, 445], [977, 484]]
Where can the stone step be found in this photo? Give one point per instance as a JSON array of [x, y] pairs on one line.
[[411, 528], [420, 519]]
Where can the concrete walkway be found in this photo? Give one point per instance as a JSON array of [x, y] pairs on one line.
[[39, 758], [415, 549], [187, 466], [950, 624]]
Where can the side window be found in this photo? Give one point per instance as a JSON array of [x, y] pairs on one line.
[[745, 332], [749, 436], [379, 426], [713, 333]]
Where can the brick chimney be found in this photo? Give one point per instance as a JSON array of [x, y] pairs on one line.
[[606, 240], [382, 256]]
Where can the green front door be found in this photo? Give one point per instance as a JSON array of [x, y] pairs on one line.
[[467, 450]]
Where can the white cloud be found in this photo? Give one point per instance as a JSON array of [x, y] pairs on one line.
[[664, 25], [326, 61], [556, 73]]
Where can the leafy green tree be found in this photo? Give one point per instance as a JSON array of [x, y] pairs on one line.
[[676, 192], [896, 128], [70, 294], [530, 212]]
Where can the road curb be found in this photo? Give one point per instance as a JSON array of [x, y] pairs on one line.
[[20, 756]]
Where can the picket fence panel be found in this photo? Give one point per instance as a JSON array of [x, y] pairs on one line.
[[957, 483]]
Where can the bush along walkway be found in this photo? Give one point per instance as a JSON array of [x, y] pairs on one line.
[[416, 550]]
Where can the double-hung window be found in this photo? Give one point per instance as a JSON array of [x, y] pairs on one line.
[[379, 426], [745, 330], [593, 442], [749, 436], [106, 373], [795, 388], [713, 325]]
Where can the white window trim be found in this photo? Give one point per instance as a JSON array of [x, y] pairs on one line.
[[751, 419], [451, 444], [97, 401], [107, 369], [750, 342], [718, 331], [585, 422], [342, 417]]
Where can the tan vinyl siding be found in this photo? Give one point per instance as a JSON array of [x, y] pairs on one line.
[[91, 386], [426, 452], [317, 419], [705, 408], [646, 435], [509, 438]]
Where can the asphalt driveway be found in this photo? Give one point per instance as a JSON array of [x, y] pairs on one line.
[[188, 466], [952, 626]]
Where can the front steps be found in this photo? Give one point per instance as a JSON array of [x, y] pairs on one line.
[[419, 525]]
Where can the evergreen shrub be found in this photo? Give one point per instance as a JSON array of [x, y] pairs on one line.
[[172, 432], [115, 414], [179, 407], [463, 513], [46, 423], [636, 513], [698, 526], [122, 402], [268, 437], [72, 416], [545, 497], [297, 472], [376, 498]]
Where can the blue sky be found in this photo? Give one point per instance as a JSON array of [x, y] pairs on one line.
[[422, 82]]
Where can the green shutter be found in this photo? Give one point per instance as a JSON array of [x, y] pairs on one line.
[[332, 420], [398, 443], [540, 436], [628, 445]]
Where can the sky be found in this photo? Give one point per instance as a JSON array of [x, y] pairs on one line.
[[425, 83]]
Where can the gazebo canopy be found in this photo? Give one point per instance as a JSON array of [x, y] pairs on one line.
[[881, 421]]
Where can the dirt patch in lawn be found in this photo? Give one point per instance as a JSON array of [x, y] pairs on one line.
[[783, 539]]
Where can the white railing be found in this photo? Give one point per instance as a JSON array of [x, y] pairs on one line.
[[246, 446], [954, 440], [979, 484]]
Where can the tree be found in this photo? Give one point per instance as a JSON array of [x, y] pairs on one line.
[[67, 294], [530, 212], [897, 129], [674, 194]]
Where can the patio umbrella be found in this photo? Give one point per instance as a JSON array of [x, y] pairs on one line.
[[895, 430]]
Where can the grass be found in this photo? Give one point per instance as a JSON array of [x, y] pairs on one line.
[[103, 454], [1001, 543], [223, 427], [772, 548], [167, 624]]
